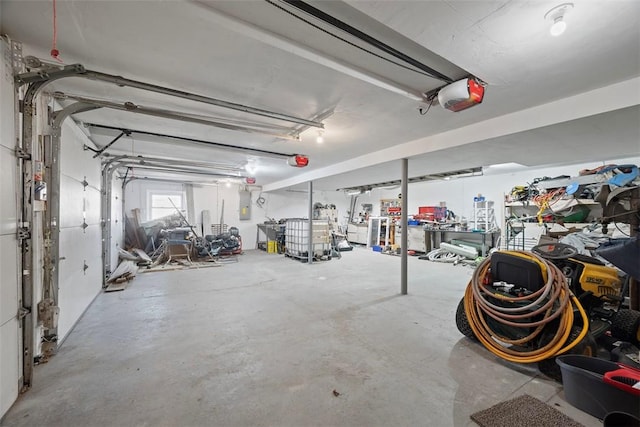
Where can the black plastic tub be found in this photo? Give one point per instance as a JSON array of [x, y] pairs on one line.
[[585, 389]]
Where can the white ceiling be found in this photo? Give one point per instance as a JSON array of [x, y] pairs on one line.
[[549, 100]]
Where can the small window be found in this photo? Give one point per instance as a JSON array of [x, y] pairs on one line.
[[161, 204]]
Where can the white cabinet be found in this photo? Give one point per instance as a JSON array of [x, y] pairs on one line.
[[357, 233]]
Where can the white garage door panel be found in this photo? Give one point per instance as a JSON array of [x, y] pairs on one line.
[[75, 161], [93, 248], [116, 223], [9, 367], [77, 246], [77, 288], [8, 278], [7, 190], [92, 205], [10, 337], [71, 202]]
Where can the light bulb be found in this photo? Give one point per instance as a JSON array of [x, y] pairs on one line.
[[558, 27], [228, 184], [556, 16], [251, 168], [319, 138]]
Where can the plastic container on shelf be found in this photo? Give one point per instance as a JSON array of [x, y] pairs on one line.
[[585, 388]]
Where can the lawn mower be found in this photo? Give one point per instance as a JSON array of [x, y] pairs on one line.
[[529, 307]]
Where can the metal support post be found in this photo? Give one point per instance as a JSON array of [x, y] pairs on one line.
[[403, 220], [310, 248], [634, 224]]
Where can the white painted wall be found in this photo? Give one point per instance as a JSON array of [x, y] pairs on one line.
[[10, 289], [78, 287], [223, 201], [457, 193]]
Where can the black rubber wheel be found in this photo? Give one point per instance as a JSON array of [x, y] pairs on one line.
[[463, 323], [626, 326], [586, 347]]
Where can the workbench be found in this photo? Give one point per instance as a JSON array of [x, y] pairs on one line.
[[270, 232]]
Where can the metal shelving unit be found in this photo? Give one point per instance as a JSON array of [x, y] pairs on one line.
[[521, 228], [379, 231], [484, 217]]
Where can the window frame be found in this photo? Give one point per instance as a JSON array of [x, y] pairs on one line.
[[166, 193]]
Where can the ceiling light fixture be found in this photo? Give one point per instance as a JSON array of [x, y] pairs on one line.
[[556, 15], [228, 184], [251, 167], [320, 137], [462, 173]]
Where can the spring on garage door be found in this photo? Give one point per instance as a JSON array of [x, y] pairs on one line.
[[554, 299]]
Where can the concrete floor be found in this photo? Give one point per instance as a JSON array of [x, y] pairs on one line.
[[266, 341]]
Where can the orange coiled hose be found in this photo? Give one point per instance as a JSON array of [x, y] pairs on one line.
[[554, 299]]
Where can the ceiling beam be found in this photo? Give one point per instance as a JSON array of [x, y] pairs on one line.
[[341, 25], [609, 98], [260, 34]]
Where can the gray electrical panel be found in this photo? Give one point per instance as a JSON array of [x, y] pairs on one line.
[[245, 205]]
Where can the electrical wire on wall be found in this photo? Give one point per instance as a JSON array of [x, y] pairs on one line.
[[260, 201]]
